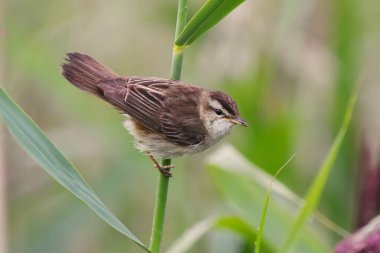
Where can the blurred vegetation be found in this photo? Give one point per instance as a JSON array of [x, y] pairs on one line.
[[290, 65]]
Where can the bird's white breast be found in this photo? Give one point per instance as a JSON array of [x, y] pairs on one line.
[[217, 130]]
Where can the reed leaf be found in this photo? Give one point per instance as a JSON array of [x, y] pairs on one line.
[[38, 145], [208, 16]]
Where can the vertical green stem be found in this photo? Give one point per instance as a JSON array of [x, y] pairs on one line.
[[159, 213], [163, 184]]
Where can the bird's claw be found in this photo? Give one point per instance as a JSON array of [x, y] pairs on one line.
[[165, 169]]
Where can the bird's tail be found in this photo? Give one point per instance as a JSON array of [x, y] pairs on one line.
[[85, 72]]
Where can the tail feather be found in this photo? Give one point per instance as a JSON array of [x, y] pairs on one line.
[[85, 72]]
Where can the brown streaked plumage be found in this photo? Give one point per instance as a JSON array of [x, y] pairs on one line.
[[168, 118]]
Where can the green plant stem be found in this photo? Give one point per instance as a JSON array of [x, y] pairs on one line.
[[163, 184], [159, 211], [177, 63]]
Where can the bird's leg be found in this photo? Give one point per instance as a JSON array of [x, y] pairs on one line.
[[164, 169]]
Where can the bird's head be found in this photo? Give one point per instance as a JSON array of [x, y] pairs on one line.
[[220, 114]]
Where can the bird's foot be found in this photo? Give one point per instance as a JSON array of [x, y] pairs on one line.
[[164, 169]]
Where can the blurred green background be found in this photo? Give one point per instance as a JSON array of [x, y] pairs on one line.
[[290, 65]]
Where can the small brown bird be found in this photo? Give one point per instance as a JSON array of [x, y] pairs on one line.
[[167, 118]]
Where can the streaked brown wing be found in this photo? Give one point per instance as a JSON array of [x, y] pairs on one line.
[[164, 106], [140, 97]]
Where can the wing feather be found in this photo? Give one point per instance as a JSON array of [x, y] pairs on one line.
[[167, 107], [180, 119], [139, 97]]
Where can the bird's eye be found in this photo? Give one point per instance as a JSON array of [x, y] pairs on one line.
[[218, 111]]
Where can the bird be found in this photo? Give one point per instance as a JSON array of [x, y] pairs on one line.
[[167, 118]]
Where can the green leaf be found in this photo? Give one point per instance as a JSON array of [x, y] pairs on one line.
[[36, 143], [198, 230], [244, 229], [314, 193], [244, 186], [192, 235], [207, 17]]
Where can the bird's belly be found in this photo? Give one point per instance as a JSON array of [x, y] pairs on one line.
[[155, 144], [158, 146]]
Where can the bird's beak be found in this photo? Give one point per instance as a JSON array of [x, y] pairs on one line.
[[238, 121]]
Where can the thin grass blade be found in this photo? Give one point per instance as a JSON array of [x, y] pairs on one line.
[[207, 17], [37, 144], [245, 230], [263, 216], [314, 193], [244, 186]]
